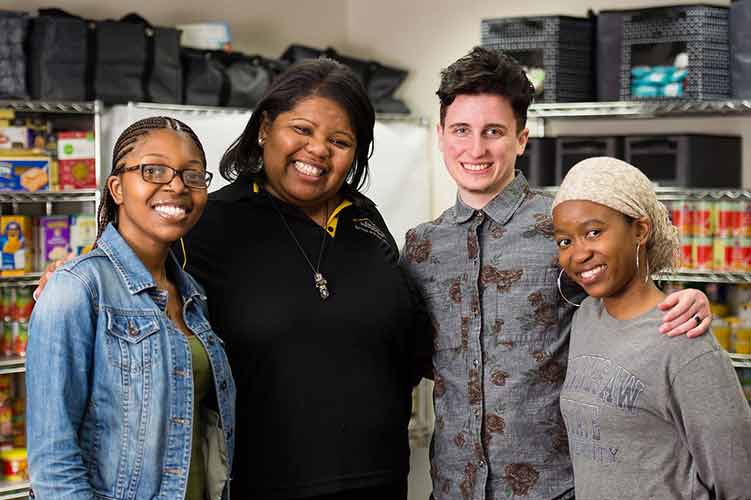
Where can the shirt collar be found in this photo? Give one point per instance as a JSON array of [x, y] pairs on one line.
[[499, 209], [132, 271]]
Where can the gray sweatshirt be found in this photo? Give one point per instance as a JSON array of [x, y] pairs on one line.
[[652, 417]]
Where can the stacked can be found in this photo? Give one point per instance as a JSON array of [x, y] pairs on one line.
[[682, 216], [702, 250], [714, 235], [16, 304]]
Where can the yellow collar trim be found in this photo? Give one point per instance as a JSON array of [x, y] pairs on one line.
[[333, 221]]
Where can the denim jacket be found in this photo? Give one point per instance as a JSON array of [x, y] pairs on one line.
[[110, 384]]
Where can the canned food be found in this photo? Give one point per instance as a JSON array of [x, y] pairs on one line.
[[742, 338], [680, 214], [718, 254], [725, 218], [24, 303], [745, 254], [14, 462], [702, 253], [6, 302], [6, 340], [687, 252], [703, 218], [721, 331], [21, 339], [746, 219]]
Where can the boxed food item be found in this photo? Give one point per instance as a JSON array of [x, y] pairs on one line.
[[82, 233], [15, 243], [76, 153], [14, 138], [54, 239], [24, 173]]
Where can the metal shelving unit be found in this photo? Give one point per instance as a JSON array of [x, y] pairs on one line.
[[11, 490], [740, 360], [539, 113], [70, 114], [202, 110]]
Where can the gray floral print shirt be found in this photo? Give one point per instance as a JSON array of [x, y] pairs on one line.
[[501, 342]]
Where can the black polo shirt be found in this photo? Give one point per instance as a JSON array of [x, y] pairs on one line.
[[323, 387]]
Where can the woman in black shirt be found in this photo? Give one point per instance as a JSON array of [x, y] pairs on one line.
[[325, 337]]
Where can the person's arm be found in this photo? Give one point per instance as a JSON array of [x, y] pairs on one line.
[[424, 331], [58, 385], [714, 419], [683, 308]]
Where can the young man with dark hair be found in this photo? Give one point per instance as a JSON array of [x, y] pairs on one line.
[[487, 268]]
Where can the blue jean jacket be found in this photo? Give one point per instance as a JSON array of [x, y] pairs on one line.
[[110, 385]]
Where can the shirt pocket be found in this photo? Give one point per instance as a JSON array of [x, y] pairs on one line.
[[131, 344], [537, 322]]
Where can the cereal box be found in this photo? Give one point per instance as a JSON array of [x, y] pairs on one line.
[[76, 153], [54, 238], [14, 138], [24, 173], [15, 242], [82, 233]]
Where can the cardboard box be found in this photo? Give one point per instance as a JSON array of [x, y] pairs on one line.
[[76, 153], [54, 239], [82, 233], [14, 138], [24, 173], [16, 245]]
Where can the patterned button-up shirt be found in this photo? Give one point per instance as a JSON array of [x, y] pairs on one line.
[[501, 344]]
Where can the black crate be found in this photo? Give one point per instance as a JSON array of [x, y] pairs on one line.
[[559, 45], [570, 150], [687, 160], [704, 30], [538, 161], [698, 31]]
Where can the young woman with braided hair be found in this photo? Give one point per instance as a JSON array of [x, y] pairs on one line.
[[129, 390]]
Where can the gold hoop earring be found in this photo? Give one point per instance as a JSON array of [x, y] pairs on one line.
[[561, 291]]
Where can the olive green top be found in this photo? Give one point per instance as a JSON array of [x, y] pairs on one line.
[[201, 386]]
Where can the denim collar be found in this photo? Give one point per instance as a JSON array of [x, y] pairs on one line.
[[132, 271], [499, 209]]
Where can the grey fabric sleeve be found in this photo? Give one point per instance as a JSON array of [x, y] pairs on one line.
[[714, 420]]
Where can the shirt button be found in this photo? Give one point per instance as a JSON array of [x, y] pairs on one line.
[[477, 412], [476, 363], [482, 463], [211, 340], [223, 385]]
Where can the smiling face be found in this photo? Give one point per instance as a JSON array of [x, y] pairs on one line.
[[480, 143], [597, 247], [152, 213], [307, 153]]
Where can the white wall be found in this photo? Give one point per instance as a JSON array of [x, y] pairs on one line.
[[258, 27]]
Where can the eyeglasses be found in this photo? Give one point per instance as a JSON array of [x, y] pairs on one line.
[[163, 174]]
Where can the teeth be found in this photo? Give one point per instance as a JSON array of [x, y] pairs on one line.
[[307, 169], [477, 166], [170, 211], [592, 272]]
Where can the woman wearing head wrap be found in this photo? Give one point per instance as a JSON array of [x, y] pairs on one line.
[[648, 416]]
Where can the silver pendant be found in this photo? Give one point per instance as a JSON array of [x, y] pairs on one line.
[[321, 283]]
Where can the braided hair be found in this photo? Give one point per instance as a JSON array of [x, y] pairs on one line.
[[125, 143]]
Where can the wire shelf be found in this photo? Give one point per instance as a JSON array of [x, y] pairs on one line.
[[48, 196], [28, 279], [77, 108], [740, 360], [640, 109]]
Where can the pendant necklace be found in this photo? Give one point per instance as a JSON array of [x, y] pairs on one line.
[[318, 280]]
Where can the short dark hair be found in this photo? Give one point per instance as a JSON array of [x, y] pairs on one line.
[[311, 78], [487, 71], [124, 145]]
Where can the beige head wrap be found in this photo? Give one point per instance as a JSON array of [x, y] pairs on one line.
[[624, 188]]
